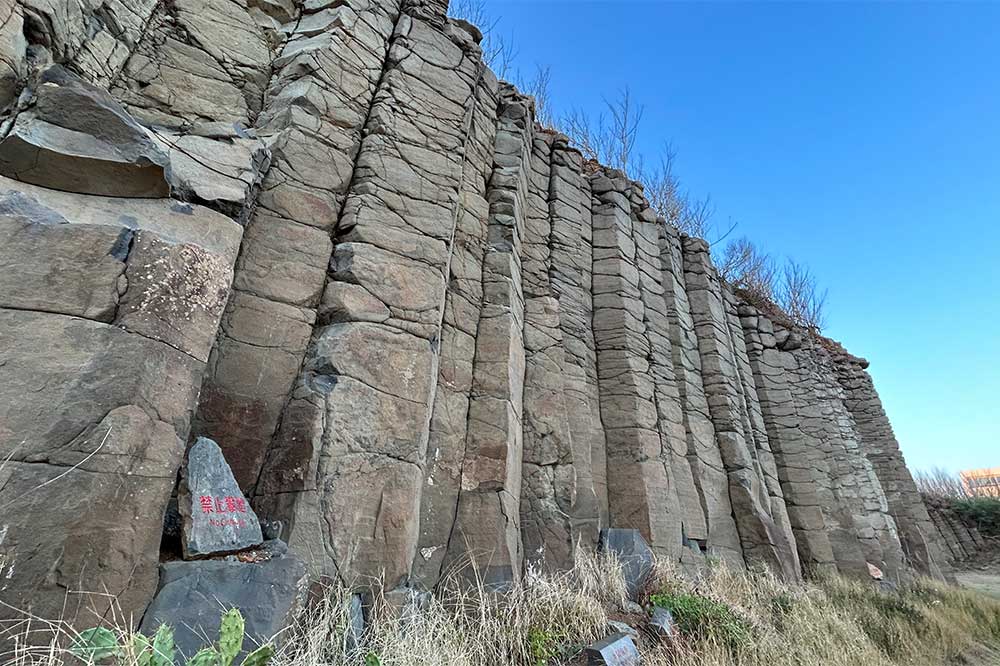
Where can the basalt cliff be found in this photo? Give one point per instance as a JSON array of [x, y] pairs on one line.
[[423, 331]]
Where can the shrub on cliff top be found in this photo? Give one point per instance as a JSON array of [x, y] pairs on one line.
[[983, 512]]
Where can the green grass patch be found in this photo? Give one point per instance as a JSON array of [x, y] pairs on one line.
[[703, 618]]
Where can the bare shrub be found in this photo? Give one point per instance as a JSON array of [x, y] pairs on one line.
[[800, 297], [663, 191], [538, 87], [610, 137], [939, 482], [745, 266], [792, 288]]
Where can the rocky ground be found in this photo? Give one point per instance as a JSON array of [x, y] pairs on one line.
[[982, 573]]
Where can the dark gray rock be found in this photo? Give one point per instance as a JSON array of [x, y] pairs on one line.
[[356, 627], [268, 591], [615, 650], [22, 205], [662, 623], [634, 553], [77, 138], [216, 517]]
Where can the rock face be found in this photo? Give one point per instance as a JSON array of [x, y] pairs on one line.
[[421, 328]]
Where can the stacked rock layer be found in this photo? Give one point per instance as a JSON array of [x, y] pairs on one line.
[[424, 332]]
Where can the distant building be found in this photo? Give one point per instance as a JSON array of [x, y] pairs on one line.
[[982, 482]]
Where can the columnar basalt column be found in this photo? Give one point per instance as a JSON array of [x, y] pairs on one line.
[[763, 539], [108, 309], [640, 492], [347, 469], [486, 533], [570, 275], [316, 107], [802, 470], [463, 303], [714, 527], [880, 447], [548, 485]]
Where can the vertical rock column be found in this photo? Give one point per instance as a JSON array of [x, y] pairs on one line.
[[486, 531], [548, 487], [712, 526], [756, 433], [857, 505], [640, 493], [879, 445], [463, 302], [802, 470], [571, 263], [317, 104], [666, 394], [765, 537], [346, 471]]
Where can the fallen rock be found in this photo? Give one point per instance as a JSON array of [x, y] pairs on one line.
[[634, 554], [77, 138], [216, 517], [623, 628], [874, 572], [662, 623], [268, 590], [615, 650]]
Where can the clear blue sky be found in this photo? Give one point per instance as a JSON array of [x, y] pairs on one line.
[[861, 139]]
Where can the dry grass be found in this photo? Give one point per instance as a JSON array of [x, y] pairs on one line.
[[729, 619]]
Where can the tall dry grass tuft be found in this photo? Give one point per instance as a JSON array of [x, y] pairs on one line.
[[545, 617]]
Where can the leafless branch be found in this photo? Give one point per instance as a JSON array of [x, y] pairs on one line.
[[538, 87], [800, 298]]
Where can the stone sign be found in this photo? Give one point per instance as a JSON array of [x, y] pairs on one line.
[[216, 517], [615, 650]]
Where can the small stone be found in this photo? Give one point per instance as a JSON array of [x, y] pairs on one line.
[[662, 623], [631, 607], [875, 572], [622, 628], [356, 625], [217, 518], [615, 650]]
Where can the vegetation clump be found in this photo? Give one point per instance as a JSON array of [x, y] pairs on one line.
[[983, 512], [703, 618]]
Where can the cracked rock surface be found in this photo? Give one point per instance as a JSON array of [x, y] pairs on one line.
[[422, 329]]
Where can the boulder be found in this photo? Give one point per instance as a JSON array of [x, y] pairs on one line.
[[267, 585], [623, 628], [634, 554], [216, 517]]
